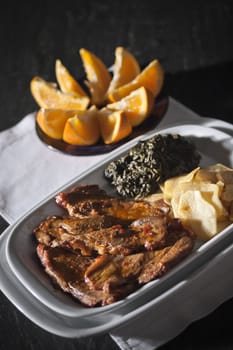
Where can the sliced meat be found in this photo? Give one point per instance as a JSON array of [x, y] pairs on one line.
[[158, 262], [85, 200], [107, 278], [135, 269], [176, 230], [143, 267], [67, 270], [91, 237], [61, 231], [107, 248], [63, 266], [90, 200]]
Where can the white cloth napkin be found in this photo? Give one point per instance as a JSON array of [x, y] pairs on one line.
[[30, 172]]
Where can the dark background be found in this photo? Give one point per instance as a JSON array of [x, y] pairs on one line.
[[194, 42]]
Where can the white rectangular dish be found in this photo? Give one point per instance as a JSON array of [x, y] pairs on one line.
[[30, 289]]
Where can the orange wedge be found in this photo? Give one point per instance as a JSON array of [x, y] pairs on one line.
[[97, 74], [82, 129], [48, 96], [52, 121], [126, 68], [137, 105], [151, 77], [66, 81], [114, 125]]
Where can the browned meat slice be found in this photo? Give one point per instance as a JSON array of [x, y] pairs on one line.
[[85, 200], [91, 237], [106, 248], [63, 266], [158, 262], [137, 268], [90, 200], [108, 278], [144, 266], [110, 293], [60, 231], [67, 270], [176, 230], [110, 285]]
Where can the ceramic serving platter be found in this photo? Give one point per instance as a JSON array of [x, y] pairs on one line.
[[25, 283]]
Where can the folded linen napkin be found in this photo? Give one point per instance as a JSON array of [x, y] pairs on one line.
[[31, 172]]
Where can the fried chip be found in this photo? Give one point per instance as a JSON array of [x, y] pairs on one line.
[[202, 199], [196, 212], [173, 184]]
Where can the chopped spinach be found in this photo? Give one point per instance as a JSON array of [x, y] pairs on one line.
[[149, 163]]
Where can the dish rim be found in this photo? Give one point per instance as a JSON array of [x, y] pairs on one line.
[[50, 324], [95, 311]]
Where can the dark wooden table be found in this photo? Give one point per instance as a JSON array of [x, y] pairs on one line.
[[193, 41]]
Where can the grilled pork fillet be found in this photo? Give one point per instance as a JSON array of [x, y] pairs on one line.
[[107, 278], [68, 231], [105, 235], [108, 247], [67, 268], [90, 200], [85, 200], [143, 267]]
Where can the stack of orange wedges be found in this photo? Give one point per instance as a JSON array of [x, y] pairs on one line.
[[108, 108]]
